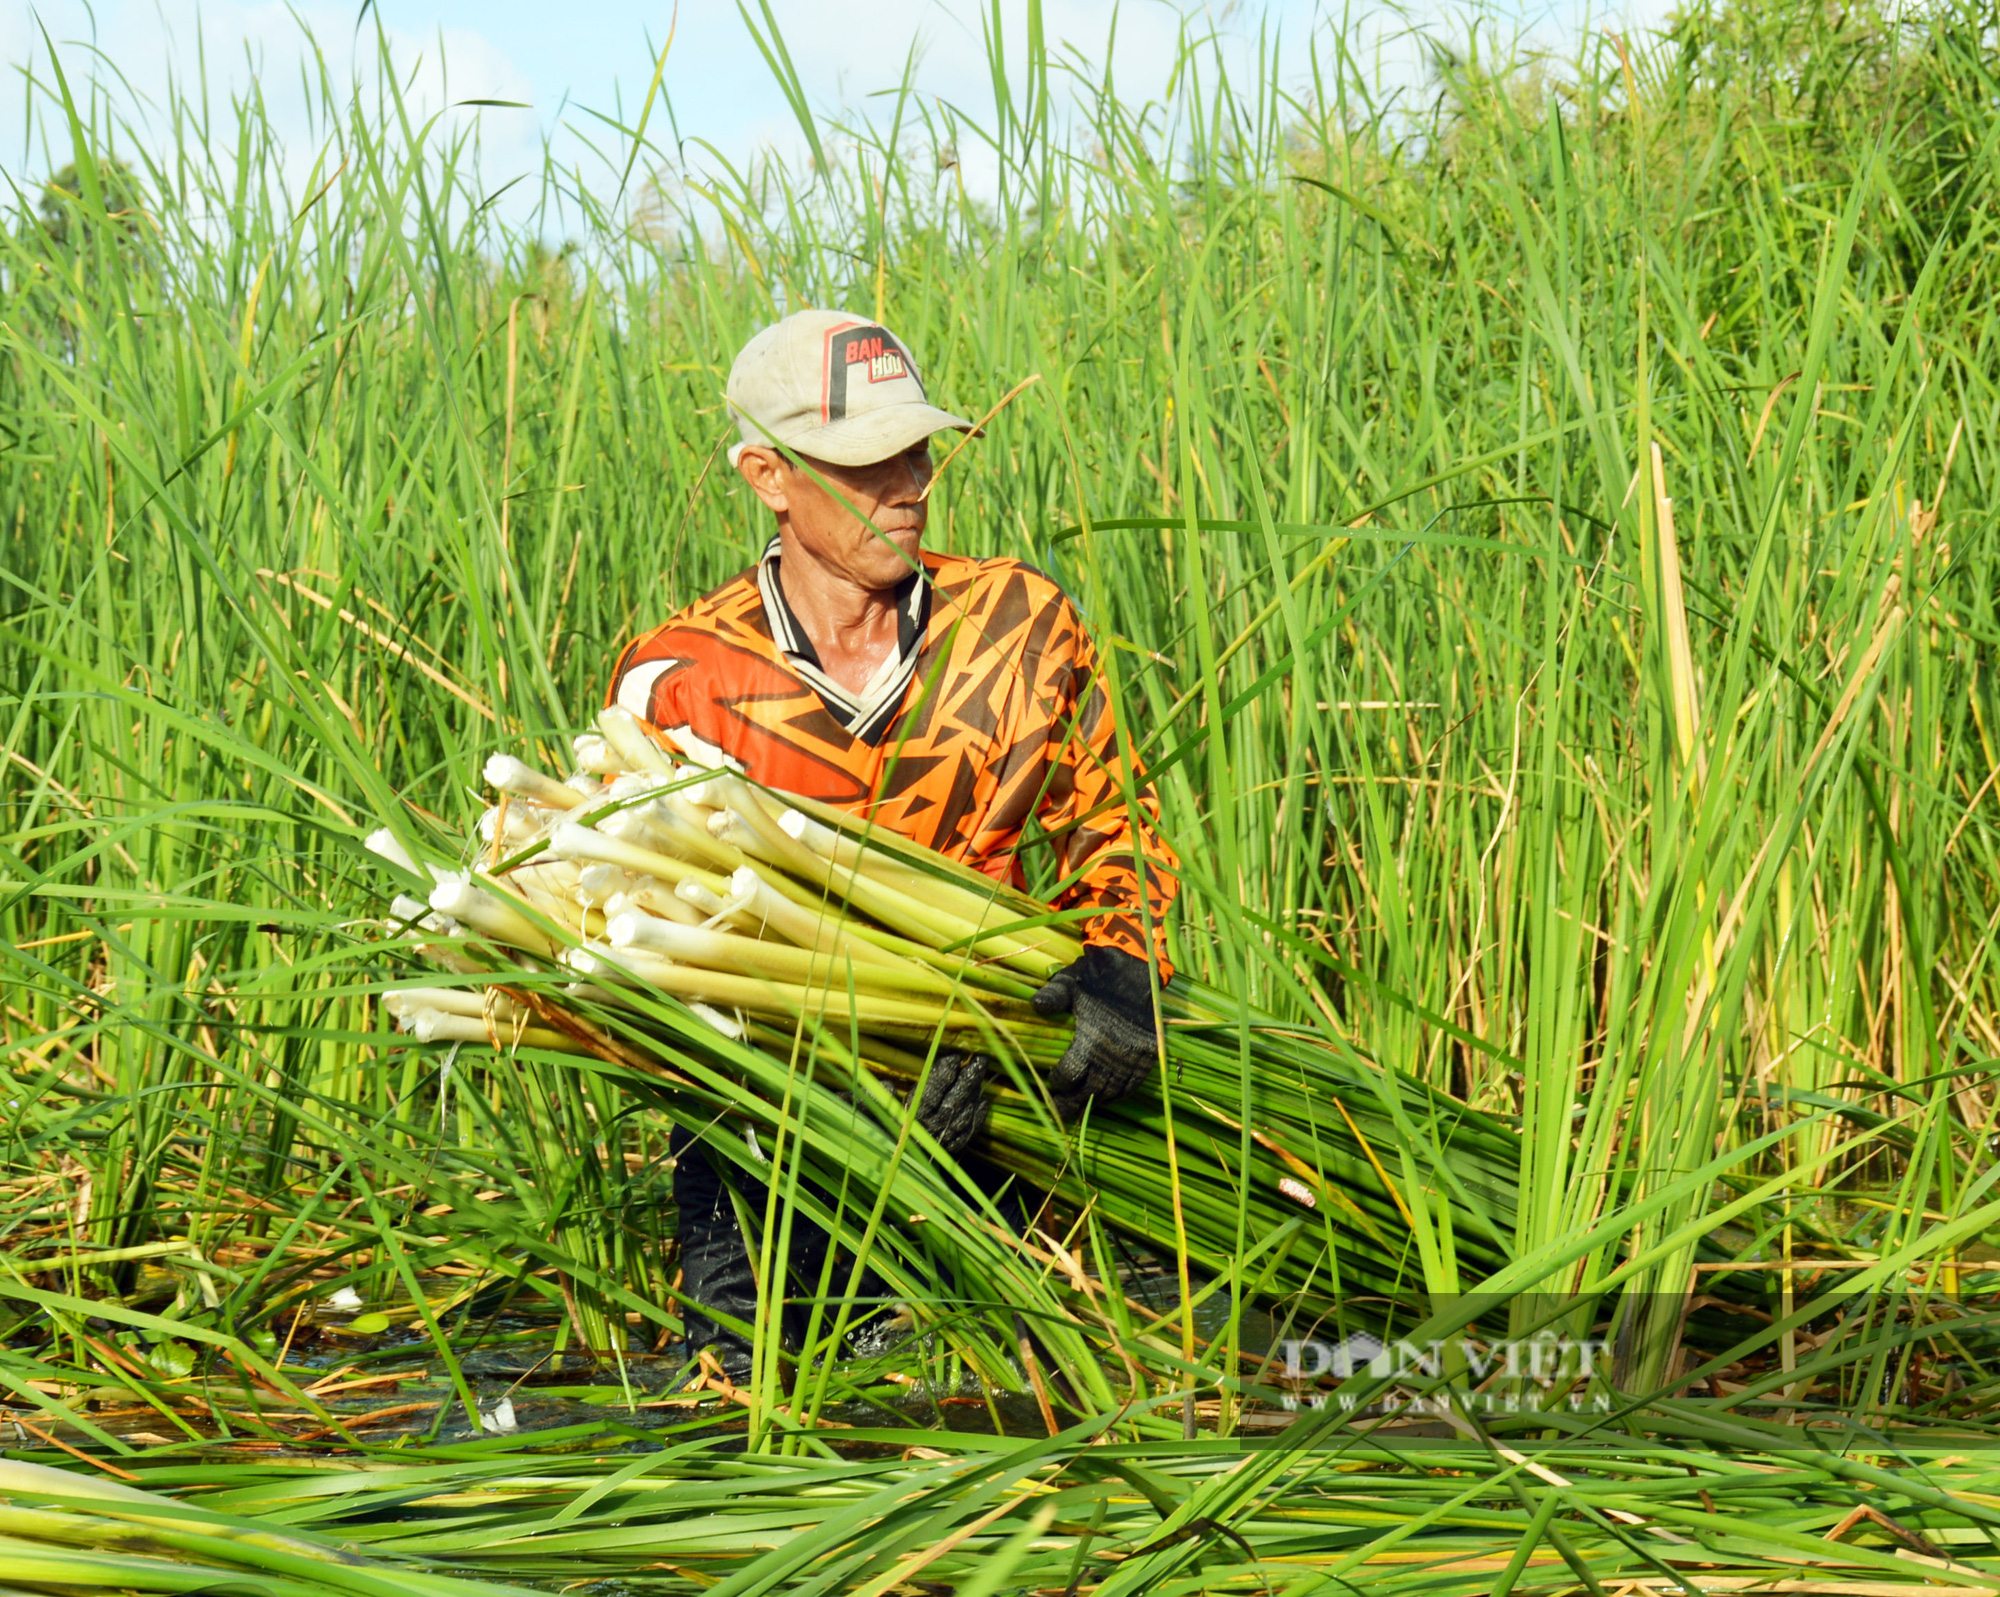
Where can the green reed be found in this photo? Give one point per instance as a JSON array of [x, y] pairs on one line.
[[1539, 542]]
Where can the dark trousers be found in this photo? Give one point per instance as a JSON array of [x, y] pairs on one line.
[[716, 1272]]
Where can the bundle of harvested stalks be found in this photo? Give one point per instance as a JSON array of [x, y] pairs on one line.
[[681, 904]]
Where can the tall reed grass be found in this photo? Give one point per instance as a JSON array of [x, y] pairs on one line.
[[1541, 533]]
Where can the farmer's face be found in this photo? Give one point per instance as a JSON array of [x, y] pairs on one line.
[[876, 548]]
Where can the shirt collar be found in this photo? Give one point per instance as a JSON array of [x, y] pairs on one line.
[[867, 714]]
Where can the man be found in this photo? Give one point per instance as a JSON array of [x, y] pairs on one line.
[[951, 700]]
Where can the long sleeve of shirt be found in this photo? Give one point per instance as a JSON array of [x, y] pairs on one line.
[[1104, 818]]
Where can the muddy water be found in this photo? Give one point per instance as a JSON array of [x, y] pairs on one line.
[[373, 1367]]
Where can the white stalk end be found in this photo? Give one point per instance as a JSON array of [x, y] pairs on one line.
[[594, 755], [705, 793], [382, 843], [631, 785], [627, 825], [627, 737], [491, 915], [414, 912], [432, 1025], [473, 1001], [626, 929], [820, 838], [524, 781], [453, 895], [708, 902], [567, 840], [732, 1029], [601, 883], [520, 828]]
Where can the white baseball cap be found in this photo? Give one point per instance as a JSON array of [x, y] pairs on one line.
[[833, 386]]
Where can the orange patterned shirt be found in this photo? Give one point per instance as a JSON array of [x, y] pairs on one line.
[[989, 713]]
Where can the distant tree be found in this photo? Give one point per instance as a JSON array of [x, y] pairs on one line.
[[1830, 77], [66, 212], [63, 232]]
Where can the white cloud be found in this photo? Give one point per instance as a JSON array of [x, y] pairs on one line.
[[720, 92], [139, 55]]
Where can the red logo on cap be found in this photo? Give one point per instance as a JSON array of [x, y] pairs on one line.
[[860, 344]]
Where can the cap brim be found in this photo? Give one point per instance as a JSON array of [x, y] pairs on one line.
[[879, 435]]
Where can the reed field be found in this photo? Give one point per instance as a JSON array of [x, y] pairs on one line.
[[1539, 527]]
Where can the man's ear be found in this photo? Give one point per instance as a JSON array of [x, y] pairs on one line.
[[765, 470]]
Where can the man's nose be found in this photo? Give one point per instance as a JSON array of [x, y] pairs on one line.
[[918, 467]]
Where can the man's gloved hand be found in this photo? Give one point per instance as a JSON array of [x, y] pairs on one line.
[[953, 1108], [1117, 1041]]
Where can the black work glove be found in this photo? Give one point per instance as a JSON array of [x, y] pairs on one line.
[[953, 1108], [1117, 1041]]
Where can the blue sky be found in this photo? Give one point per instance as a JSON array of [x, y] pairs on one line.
[[566, 60]]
